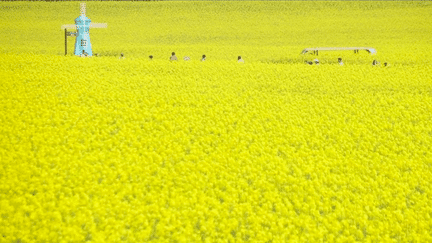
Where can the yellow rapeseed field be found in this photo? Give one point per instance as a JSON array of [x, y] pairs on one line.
[[104, 149]]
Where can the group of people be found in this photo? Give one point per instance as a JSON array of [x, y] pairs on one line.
[[186, 58], [340, 62], [203, 58], [376, 63], [240, 59]]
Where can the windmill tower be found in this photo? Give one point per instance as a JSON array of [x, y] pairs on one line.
[[82, 25]]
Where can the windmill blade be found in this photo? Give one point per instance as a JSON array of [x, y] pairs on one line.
[[83, 9], [68, 26], [92, 25], [98, 25]]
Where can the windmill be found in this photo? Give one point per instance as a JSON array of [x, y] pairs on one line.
[[82, 25]]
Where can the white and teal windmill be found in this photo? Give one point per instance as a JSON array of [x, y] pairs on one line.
[[82, 25]]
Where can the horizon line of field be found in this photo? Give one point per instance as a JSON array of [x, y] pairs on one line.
[[214, 0]]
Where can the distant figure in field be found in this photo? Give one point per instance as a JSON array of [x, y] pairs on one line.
[[385, 64], [173, 57], [151, 57], [316, 61], [240, 60], [203, 58], [122, 56], [186, 58], [96, 54], [340, 61], [375, 63]]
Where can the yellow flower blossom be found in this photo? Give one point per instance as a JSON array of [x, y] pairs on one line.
[[107, 150]]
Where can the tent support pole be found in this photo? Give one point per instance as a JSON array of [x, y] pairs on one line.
[[65, 41]]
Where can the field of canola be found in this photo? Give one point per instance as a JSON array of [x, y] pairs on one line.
[[131, 150]]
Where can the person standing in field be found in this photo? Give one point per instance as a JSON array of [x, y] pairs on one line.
[[173, 57], [240, 60], [151, 57], [203, 58], [375, 63], [340, 61]]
